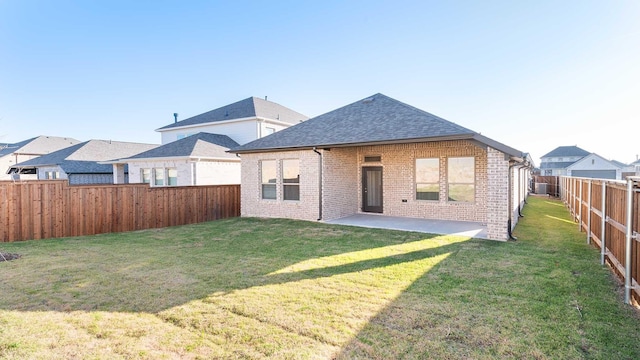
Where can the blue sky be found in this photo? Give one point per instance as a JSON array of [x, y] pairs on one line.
[[531, 74]]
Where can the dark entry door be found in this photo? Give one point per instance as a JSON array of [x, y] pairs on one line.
[[372, 189]]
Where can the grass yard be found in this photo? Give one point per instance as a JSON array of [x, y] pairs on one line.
[[255, 288]]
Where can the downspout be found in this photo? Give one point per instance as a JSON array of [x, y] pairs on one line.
[[520, 165], [319, 183], [519, 190], [510, 193]]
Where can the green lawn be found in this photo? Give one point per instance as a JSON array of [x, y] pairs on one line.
[[254, 288]]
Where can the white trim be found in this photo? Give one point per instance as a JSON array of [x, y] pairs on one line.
[[230, 121]]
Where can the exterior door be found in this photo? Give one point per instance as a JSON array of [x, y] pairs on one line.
[[372, 189]]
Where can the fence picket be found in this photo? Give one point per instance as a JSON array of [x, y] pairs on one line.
[[48, 209]]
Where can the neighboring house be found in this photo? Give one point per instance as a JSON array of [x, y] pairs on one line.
[[200, 159], [379, 155], [556, 162], [79, 163], [11, 154], [635, 166], [595, 166], [243, 121]]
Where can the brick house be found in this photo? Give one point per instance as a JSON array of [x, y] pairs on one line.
[[381, 156]]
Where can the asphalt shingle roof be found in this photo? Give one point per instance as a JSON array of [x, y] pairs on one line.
[[198, 145], [83, 158], [556, 165], [37, 145], [376, 119], [566, 151], [250, 107]]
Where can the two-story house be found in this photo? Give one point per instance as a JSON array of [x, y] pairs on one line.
[[194, 150], [556, 162]]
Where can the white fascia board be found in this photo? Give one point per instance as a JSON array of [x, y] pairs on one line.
[[230, 121], [274, 121]]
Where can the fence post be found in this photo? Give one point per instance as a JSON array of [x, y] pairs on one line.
[[627, 250], [589, 213], [580, 208], [603, 231]]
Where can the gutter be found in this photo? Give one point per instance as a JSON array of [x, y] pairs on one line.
[[520, 164], [319, 183]]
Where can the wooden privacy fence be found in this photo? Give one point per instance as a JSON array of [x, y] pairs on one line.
[[546, 185], [609, 212], [51, 209]]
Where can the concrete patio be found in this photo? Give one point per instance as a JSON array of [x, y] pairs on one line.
[[442, 227]]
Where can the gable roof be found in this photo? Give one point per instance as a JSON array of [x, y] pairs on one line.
[[566, 151], [612, 165], [84, 157], [37, 146], [201, 145], [247, 108], [377, 119], [620, 164]]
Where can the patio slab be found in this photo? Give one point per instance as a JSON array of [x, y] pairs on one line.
[[441, 227]]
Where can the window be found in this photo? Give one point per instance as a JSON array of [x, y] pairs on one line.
[[427, 179], [269, 131], [268, 178], [461, 179], [145, 175], [158, 177], [51, 175], [172, 177], [548, 172], [290, 179]]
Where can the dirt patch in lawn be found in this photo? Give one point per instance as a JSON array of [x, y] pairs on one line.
[[7, 256]]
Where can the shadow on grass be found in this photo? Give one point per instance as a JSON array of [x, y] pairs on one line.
[[151, 271]]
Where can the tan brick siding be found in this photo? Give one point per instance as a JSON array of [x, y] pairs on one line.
[[398, 163], [498, 195], [307, 208], [342, 185]]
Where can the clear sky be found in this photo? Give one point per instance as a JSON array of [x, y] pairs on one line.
[[531, 74]]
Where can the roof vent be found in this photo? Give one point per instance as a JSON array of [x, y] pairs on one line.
[[367, 100], [226, 113], [175, 117]]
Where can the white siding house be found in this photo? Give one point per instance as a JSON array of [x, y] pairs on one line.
[[242, 121], [595, 166], [200, 159]]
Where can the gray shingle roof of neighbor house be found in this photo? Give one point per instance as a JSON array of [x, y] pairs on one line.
[[620, 164], [198, 145], [247, 108], [556, 165], [83, 158], [564, 151], [37, 145], [377, 119]]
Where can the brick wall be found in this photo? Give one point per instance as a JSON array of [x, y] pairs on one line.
[[341, 183], [342, 186], [398, 163], [497, 195], [307, 208]]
